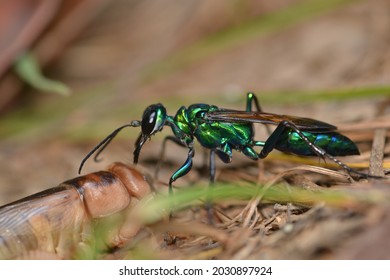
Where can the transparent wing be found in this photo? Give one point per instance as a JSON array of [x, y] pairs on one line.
[[305, 124]]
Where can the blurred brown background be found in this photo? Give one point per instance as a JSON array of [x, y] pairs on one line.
[[117, 57]]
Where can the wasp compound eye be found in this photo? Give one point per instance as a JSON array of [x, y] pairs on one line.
[[153, 119]]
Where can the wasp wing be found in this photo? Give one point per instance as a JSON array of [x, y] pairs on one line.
[[305, 124]]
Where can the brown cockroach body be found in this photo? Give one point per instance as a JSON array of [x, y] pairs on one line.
[[59, 219]]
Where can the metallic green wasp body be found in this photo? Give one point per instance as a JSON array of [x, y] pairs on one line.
[[224, 130]]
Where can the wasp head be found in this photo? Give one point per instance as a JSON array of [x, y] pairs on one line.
[[153, 121]]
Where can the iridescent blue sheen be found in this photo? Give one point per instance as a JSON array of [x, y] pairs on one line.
[[332, 142]]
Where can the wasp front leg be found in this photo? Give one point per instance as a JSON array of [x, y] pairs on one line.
[[183, 170], [162, 153]]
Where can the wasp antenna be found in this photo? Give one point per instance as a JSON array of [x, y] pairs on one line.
[[103, 144]]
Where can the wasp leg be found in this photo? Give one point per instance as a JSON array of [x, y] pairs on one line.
[[208, 203], [183, 170], [250, 153], [212, 166], [251, 98], [162, 152], [271, 142], [225, 153]]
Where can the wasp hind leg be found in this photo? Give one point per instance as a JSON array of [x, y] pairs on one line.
[[252, 99]]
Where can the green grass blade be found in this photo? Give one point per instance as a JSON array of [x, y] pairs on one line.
[[27, 67]]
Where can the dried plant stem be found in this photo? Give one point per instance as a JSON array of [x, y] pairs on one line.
[[377, 152]]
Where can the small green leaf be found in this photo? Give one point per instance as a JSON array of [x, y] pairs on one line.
[[27, 67]]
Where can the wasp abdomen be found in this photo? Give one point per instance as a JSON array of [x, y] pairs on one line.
[[333, 143]]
